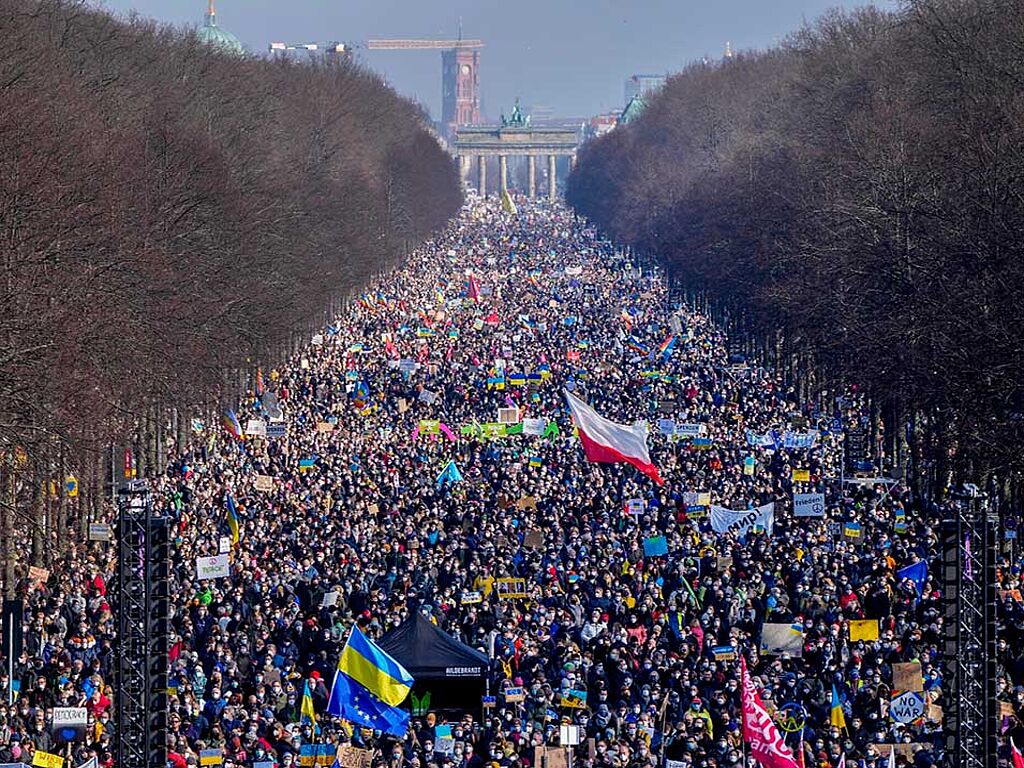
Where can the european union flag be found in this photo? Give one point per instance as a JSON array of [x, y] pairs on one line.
[[351, 701], [917, 573]]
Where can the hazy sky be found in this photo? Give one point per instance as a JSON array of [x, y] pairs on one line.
[[570, 55]]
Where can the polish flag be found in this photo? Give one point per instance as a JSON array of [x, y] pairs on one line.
[[610, 443], [1018, 758]]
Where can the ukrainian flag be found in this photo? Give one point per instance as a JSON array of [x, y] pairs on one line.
[[232, 517], [306, 711], [371, 667], [836, 715]]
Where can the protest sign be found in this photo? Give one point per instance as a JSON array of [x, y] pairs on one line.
[[100, 532], [906, 707], [534, 427], [808, 505], [779, 639], [256, 428], [741, 521], [508, 415], [354, 757], [863, 629], [636, 506], [276, 429], [907, 676], [37, 575], [801, 475], [68, 724], [215, 567], [655, 546], [511, 588], [471, 598], [47, 760], [263, 483]]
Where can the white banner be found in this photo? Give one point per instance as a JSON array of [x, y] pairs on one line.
[[691, 430], [534, 426], [808, 505], [216, 567], [733, 521]]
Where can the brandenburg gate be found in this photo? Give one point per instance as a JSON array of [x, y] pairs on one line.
[[515, 137]]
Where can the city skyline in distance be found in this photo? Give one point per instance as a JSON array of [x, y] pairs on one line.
[[546, 52]]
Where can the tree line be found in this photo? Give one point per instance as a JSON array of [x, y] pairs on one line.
[[171, 218], [851, 199]]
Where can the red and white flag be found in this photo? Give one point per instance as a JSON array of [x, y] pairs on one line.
[[1018, 758], [610, 443], [759, 731]]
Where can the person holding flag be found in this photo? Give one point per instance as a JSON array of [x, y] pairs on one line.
[[369, 684], [231, 515], [306, 712], [606, 442]]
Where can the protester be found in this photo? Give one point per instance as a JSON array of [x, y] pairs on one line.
[[363, 507]]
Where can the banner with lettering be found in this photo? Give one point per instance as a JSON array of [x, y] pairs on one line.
[[740, 521], [759, 730]]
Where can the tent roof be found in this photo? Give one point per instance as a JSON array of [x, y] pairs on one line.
[[429, 653]]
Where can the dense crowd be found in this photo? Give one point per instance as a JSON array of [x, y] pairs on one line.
[[356, 511]]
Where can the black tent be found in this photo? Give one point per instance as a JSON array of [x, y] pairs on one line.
[[432, 656]]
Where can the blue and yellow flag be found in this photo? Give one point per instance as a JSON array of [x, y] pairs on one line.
[[306, 712], [375, 670], [232, 517], [836, 715]]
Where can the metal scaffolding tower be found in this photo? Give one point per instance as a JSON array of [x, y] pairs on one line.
[[141, 602], [969, 549]]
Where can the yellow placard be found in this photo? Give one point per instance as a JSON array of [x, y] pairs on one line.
[[801, 475], [863, 629], [47, 760]]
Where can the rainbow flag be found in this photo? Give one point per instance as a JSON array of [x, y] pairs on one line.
[[231, 425], [665, 350]]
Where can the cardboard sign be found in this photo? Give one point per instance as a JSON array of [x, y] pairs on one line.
[[38, 576], [263, 483], [256, 428], [508, 415], [403, 405], [526, 502], [224, 544], [569, 735], [330, 599], [511, 588], [324, 426], [907, 676], [533, 539], [215, 567], [551, 757], [636, 506], [902, 750]]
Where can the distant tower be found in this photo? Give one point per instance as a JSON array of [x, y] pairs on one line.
[[460, 88], [728, 50]]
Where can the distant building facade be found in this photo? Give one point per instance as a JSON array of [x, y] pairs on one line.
[[642, 85]]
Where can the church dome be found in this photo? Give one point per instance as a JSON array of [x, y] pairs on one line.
[[219, 38]]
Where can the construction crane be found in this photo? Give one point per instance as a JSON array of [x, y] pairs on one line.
[[460, 62]]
